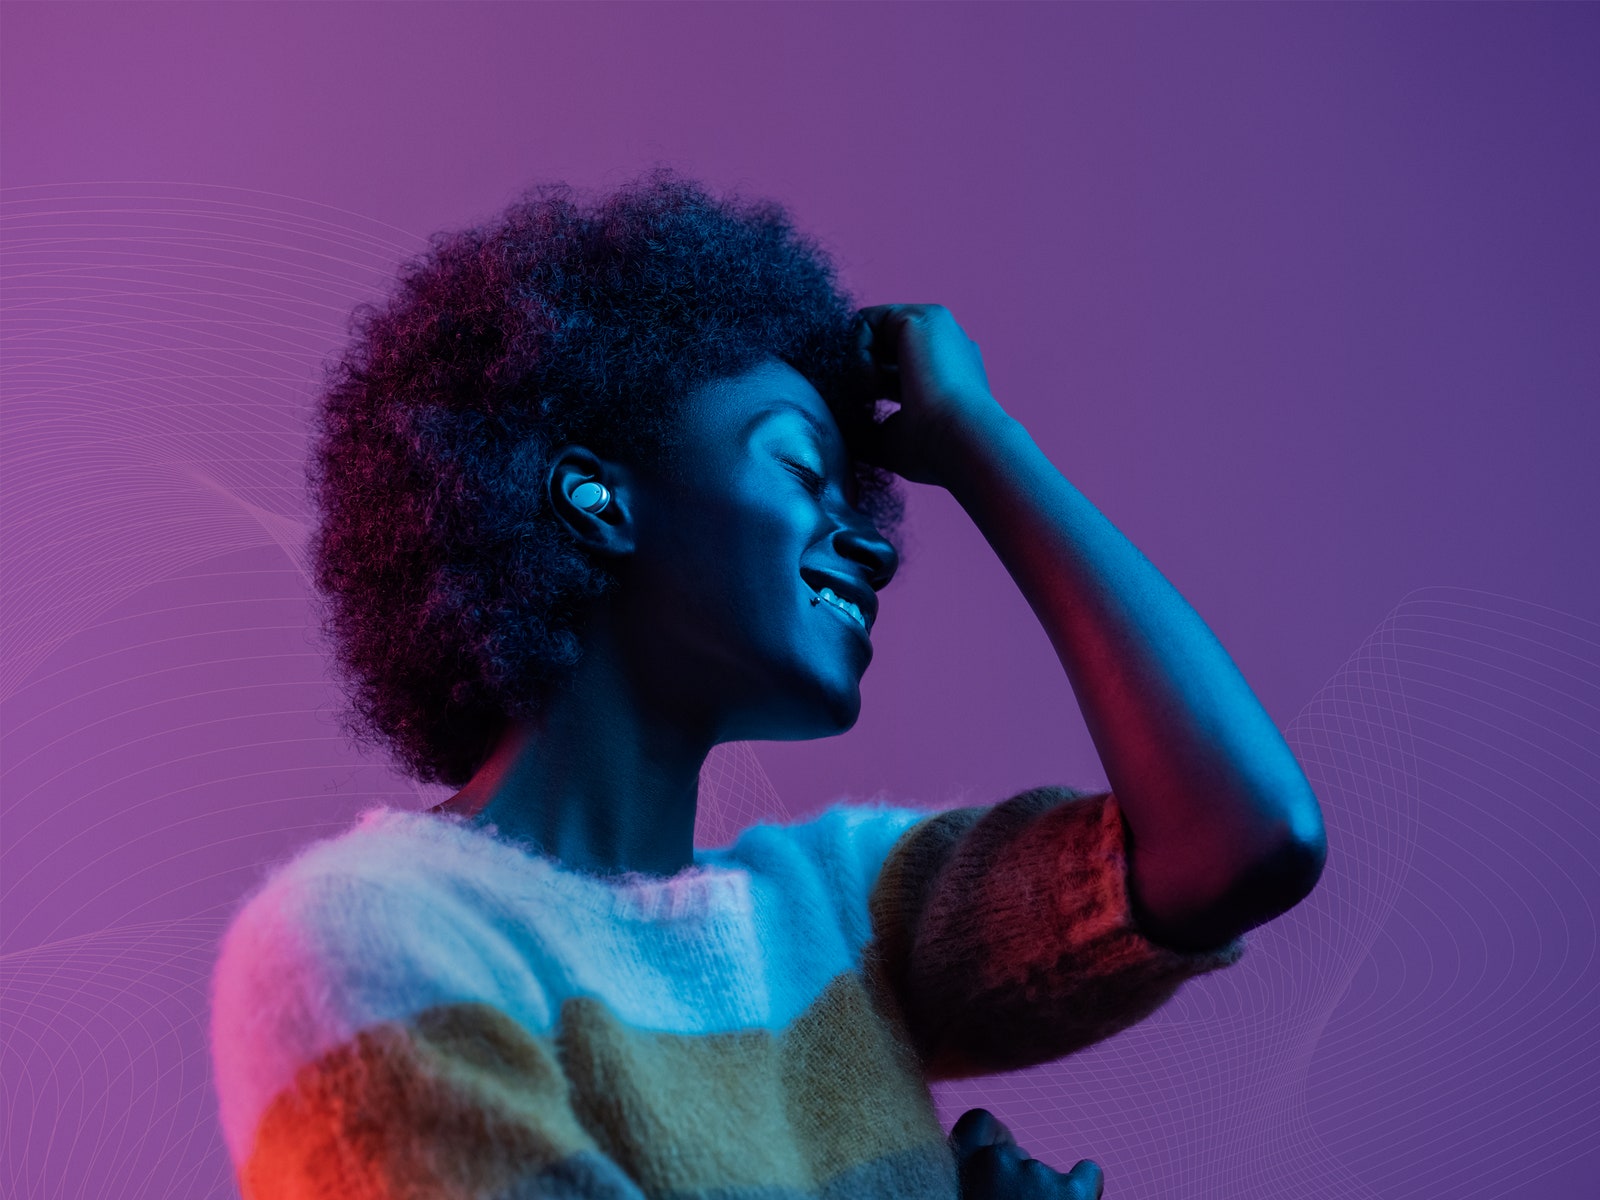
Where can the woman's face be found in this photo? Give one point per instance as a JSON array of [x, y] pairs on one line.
[[718, 606]]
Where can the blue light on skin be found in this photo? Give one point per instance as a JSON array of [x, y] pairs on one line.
[[708, 641], [712, 635]]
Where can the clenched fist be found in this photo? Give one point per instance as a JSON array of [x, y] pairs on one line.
[[921, 359], [994, 1167]]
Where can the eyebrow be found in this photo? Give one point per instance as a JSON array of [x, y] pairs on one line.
[[784, 406]]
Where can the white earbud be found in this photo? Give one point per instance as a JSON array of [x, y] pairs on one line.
[[591, 496]]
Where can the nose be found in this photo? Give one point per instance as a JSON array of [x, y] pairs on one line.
[[860, 541]]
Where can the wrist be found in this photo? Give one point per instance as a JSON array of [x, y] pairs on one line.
[[980, 436]]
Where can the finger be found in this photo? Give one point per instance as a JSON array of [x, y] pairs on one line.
[[975, 1127], [1086, 1181], [882, 336], [1040, 1179], [997, 1173], [863, 336], [875, 357], [976, 1173], [979, 1127], [972, 1129]]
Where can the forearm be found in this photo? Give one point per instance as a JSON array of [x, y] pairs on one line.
[[1224, 829]]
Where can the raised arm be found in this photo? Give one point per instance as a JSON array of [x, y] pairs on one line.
[[1223, 829]]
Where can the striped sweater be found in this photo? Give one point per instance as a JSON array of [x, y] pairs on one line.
[[418, 1008]]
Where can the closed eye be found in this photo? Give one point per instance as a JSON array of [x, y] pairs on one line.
[[815, 484]]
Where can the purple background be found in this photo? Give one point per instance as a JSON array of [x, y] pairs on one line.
[[1304, 298]]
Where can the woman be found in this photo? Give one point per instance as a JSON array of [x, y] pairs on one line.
[[600, 488]]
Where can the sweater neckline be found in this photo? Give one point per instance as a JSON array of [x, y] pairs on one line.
[[696, 892]]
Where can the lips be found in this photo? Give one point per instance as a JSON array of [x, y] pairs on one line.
[[849, 610], [854, 590]]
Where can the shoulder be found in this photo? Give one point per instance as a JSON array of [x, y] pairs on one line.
[[382, 922], [833, 857], [847, 841], [383, 919]]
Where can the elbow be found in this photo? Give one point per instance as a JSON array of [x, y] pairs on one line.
[[1263, 892], [1288, 872], [1260, 892], [1276, 884], [1272, 883], [1187, 908], [1281, 880], [1297, 870], [1305, 850]]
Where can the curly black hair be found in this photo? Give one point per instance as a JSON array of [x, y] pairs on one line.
[[452, 596]]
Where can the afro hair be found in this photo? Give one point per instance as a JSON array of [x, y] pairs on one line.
[[451, 594]]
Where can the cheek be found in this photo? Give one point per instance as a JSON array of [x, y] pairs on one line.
[[729, 561], [764, 588]]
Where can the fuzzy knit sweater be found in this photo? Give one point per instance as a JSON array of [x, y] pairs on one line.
[[417, 1008]]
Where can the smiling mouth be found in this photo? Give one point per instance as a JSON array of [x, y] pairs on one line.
[[828, 598]]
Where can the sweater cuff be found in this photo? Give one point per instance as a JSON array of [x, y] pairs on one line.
[[1009, 934]]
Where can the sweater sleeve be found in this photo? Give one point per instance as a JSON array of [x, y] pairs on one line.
[[1005, 935], [371, 1042]]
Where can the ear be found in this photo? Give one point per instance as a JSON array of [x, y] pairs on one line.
[[609, 531]]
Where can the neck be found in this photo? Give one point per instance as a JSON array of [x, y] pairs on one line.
[[601, 780]]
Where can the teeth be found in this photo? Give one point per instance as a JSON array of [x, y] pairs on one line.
[[837, 601]]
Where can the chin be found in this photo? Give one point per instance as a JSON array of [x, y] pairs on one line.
[[847, 722]]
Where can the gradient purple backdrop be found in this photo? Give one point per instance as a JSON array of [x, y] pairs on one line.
[[1305, 298]]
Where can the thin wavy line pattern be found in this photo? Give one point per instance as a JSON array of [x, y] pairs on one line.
[[1421, 1027]]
